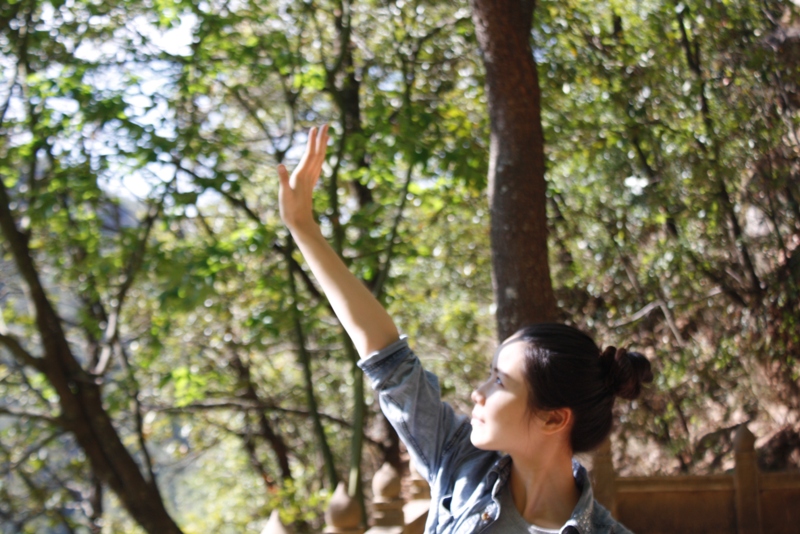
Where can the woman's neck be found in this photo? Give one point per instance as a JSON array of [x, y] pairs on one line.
[[543, 487]]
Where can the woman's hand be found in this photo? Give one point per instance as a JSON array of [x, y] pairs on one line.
[[295, 197]]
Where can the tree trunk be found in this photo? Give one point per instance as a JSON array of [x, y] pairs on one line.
[[521, 274]]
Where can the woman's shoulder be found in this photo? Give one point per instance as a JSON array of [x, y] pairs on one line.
[[470, 471]]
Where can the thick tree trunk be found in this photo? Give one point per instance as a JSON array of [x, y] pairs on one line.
[[521, 274], [80, 398]]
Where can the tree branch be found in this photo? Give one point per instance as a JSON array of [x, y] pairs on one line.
[[242, 404], [22, 355], [309, 283], [36, 447], [737, 238], [11, 88], [255, 461], [36, 391], [47, 320], [383, 273], [641, 314], [266, 431], [20, 414], [39, 494], [111, 333], [235, 91], [148, 462]]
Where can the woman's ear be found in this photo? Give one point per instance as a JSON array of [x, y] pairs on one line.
[[558, 420]]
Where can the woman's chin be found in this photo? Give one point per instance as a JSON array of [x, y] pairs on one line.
[[476, 439]]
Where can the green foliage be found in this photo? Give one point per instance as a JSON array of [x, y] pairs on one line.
[[138, 148], [671, 213]]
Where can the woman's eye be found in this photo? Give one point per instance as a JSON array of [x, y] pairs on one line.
[[498, 381]]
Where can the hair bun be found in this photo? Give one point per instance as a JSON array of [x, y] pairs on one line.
[[625, 371]]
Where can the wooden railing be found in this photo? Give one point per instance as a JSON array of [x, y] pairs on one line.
[[744, 501]]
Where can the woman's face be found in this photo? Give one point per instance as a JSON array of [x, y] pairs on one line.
[[501, 419]]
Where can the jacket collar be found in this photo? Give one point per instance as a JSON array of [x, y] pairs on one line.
[[581, 518]]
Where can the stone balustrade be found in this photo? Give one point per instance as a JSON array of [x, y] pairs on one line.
[[390, 514]]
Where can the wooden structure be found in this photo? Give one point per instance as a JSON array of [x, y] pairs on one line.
[[744, 501]]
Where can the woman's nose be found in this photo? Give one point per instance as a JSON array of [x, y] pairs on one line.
[[477, 396]]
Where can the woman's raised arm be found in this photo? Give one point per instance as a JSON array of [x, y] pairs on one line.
[[366, 322]]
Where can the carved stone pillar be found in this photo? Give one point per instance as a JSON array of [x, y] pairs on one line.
[[387, 505], [420, 489], [343, 515], [274, 525]]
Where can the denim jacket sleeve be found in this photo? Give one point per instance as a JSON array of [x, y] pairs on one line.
[[411, 400]]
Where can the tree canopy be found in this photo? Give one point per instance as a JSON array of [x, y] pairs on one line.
[[161, 342]]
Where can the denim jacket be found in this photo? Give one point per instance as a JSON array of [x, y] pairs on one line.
[[465, 481]]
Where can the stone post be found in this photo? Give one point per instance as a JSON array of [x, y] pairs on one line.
[[748, 498], [420, 489], [387, 505], [343, 515], [274, 525], [416, 510], [604, 485]]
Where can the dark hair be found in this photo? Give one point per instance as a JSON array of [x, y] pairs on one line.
[[564, 368]]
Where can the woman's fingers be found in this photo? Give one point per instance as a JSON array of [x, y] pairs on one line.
[[316, 147], [322, 140], [283, 175], [311, 146], [310, 165], [309, 153], [320, 144]]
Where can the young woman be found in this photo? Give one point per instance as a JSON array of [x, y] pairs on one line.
[[549, 395]]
